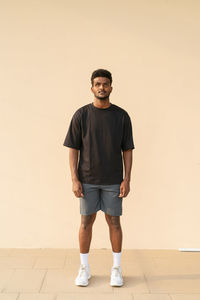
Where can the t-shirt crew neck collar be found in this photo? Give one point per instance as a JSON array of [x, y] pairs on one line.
[[98, 108]]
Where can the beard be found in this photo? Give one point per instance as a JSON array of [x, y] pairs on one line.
[[102, 98]]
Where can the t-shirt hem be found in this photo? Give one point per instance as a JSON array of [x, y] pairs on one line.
[[101, 181], [71, 146], [128, 147]]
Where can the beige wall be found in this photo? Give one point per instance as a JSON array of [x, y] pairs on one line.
[[48, 50]]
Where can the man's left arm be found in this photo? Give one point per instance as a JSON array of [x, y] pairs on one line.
[[125, 184]]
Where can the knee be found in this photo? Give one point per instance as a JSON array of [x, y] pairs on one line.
[[114, 222], [87, 222]]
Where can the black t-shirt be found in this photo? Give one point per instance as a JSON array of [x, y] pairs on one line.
[[101, 134]]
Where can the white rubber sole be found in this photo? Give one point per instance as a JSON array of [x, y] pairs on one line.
[[82, 283], [119, 284]]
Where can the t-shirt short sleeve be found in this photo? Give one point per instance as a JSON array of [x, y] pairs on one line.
[[73, 137], [127, 140]]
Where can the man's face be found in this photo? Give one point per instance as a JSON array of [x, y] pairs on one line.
[[101, 88]]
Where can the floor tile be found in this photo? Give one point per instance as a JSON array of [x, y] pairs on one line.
[[5, 251], [14, 262], [99, 296], [172, 275], [25, 281], [176, 266], [132, 267], [62, 281], [185, 297], [9, 296], [174, 283], [49, 274], [36, 296], [5, 275], [159, 253], [39, 252], [25, 252], [49, 262], [152, 297]]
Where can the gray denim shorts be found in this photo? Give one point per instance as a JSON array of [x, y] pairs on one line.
[[101, 197]]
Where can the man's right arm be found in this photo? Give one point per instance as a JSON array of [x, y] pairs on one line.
[[73, 161]]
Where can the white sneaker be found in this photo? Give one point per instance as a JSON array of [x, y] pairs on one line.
[[83, 276], [116, 276]]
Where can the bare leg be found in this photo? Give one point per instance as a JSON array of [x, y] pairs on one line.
[[115, 232], [85, 232]]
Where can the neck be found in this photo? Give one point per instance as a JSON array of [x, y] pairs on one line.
[[101, 103]]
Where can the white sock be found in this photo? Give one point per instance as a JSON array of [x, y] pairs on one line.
[[116, 258], [84, 258]]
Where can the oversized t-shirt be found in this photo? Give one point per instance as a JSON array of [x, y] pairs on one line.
[[101, 134]]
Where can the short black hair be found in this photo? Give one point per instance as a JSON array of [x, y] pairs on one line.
[[101, 73]]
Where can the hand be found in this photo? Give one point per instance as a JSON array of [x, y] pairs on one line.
[[77, 188], [124, 188]]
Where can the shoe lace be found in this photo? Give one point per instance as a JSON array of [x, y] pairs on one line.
[[82, 271], [116, 272]]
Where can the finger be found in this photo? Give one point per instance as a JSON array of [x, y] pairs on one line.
[[81, 192], [124, 192], [76, 194], [121, 194]]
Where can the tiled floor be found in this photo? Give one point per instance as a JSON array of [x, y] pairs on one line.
[[48, 274]]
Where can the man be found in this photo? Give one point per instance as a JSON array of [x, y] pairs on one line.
[[101, 131]]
